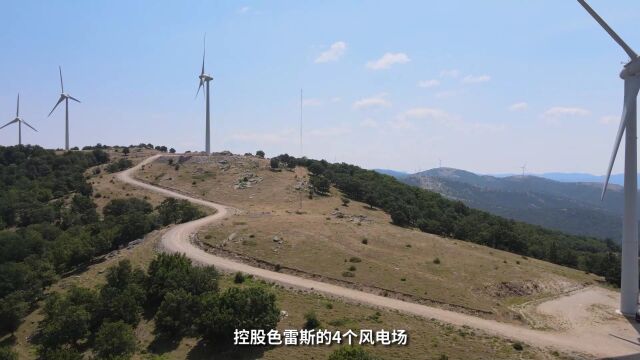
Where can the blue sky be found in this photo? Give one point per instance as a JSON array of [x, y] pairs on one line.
[[484, 86]]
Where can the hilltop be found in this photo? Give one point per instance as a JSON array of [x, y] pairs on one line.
[[575, 208]]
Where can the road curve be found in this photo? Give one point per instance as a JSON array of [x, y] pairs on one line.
[[177, 239]]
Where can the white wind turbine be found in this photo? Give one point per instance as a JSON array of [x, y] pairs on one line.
[[19, 121], [205, 78], [631, 76], [64, 97]]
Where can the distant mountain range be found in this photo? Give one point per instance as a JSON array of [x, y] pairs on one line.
[[566, 202], [557, 176]]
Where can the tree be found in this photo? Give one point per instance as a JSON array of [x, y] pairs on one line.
[[126, 151], [123, 295], [68, 318], [115, 340], [173, 211], [320, 184], [176, 314], [172, 150], [316, 168], [260, 154], [118, 207], [274, 163], [166, 272], [12, 309], [247, 308], [59, 354], [7, 354]]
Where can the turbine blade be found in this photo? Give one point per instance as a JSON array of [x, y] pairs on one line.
[[199, 87], [204, 52], [58, 103], [18, 107], [632, 54], [9, 123], [26, 123], [631, 87], [74, 99], [61, 83]]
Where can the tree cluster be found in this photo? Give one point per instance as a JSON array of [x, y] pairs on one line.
[[54, 226], [183, 299]]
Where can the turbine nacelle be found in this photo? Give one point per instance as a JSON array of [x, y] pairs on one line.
[[632, 68]]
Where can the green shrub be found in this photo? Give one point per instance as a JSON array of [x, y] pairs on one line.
[[238, 278], [115, 340], [311, 320]]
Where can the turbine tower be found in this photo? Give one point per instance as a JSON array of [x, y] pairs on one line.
[[20, 121], [631, 76], [64, 97], [524, 168], [205, 78]]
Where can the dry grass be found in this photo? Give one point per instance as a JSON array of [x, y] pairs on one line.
[[321, 242], [313, 243], [427, 338]]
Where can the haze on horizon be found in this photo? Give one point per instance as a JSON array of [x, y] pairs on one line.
[[484, 86]]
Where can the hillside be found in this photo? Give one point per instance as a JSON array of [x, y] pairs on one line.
[[354, 244], [428, 337], [574, 208]]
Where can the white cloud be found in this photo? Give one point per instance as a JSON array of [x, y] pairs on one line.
[[374, 101], [403, 120], [561, 111], [425, 112], [387, 60], [442, 118], [281, 137], [311, 102], [369, 123], [336, 99], [471, 79], [330, 132], [519, 106], [450, 73], [609, 119], [244, 10], [446, 94], [428, 83], [335, 52]]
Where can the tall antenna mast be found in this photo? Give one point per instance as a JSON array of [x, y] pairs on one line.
[[301, 154]]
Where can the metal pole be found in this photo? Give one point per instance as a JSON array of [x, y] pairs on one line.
[[66, 124], [207, 140], [629, 281]]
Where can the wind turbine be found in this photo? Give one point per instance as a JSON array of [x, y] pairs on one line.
[[20, 121], [205, 78], [64, 97], [523, 167], [631, 76]]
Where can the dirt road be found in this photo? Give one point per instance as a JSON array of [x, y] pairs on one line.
[[594, 341]]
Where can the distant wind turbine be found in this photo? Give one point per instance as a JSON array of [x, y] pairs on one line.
[[205, 78], [19, 121], [631, 76], [64, 97], [524, 168]]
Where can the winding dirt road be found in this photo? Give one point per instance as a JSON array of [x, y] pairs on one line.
[[177, 239]]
